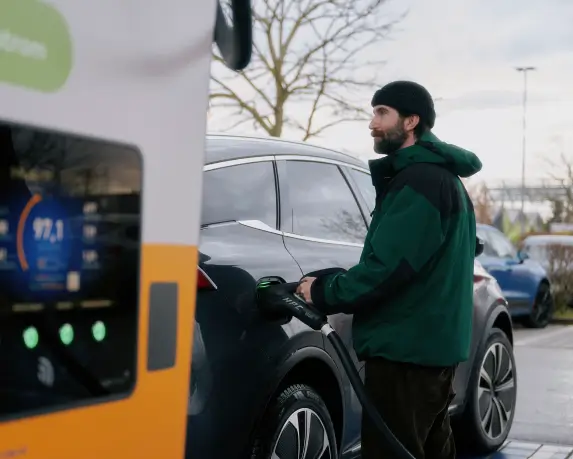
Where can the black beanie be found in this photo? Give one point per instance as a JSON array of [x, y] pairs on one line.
[[408, 98]]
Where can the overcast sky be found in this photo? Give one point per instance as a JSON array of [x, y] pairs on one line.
[[464, 52]]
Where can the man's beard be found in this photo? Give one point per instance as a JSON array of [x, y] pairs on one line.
[[391, 140]]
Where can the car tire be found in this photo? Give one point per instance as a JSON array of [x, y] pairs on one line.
[[542, 310], [297, 418], [486, 421]]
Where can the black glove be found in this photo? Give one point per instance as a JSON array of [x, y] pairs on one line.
[[324, 272]]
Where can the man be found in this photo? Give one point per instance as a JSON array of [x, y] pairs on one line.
[[412, 291]]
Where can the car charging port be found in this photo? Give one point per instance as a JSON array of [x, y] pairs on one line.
[[270, 314]]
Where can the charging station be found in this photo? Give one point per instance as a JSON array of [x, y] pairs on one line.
[[102, 127]]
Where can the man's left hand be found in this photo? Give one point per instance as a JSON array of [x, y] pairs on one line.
[[303, 288]]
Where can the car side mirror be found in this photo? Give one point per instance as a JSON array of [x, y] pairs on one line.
[[522, 255], [479, 247]]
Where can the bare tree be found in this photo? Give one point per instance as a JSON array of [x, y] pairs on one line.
[[562, 173], [313, 55], [482, 201], [55, 162], [560, 272], [63, 157]]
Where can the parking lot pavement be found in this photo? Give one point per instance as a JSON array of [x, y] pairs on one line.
[[527, 450], [544, 359]]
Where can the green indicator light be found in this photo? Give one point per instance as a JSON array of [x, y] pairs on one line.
[[98, 330], [31, 337], [66, 334]]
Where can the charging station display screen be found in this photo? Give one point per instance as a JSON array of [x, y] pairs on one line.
[[70, 218]]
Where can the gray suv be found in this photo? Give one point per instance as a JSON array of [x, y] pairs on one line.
[[260, 389]]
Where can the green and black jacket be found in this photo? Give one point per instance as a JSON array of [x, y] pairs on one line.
[[411, 293]]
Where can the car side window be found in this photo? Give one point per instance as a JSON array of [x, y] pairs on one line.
[[502, 247], [322, 204], [367, 190], [240, 192]]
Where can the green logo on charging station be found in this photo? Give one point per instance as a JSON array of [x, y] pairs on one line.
[[35, 45]]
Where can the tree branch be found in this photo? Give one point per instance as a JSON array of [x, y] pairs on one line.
[[230, 94], [310, 58]]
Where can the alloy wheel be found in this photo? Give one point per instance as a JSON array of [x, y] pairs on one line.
[[543, 306], [496, 391], [303, 436]]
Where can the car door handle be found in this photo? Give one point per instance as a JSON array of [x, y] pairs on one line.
[[257, 224]]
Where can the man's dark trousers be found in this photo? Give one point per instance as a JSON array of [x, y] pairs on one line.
[[414, 401]]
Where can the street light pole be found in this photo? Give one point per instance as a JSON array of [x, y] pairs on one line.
[[524, 70]]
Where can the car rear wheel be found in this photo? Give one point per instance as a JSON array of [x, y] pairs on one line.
[[297, 425], [491, 398], [542, 310]]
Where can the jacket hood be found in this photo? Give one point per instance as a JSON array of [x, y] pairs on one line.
[[429, 149]]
